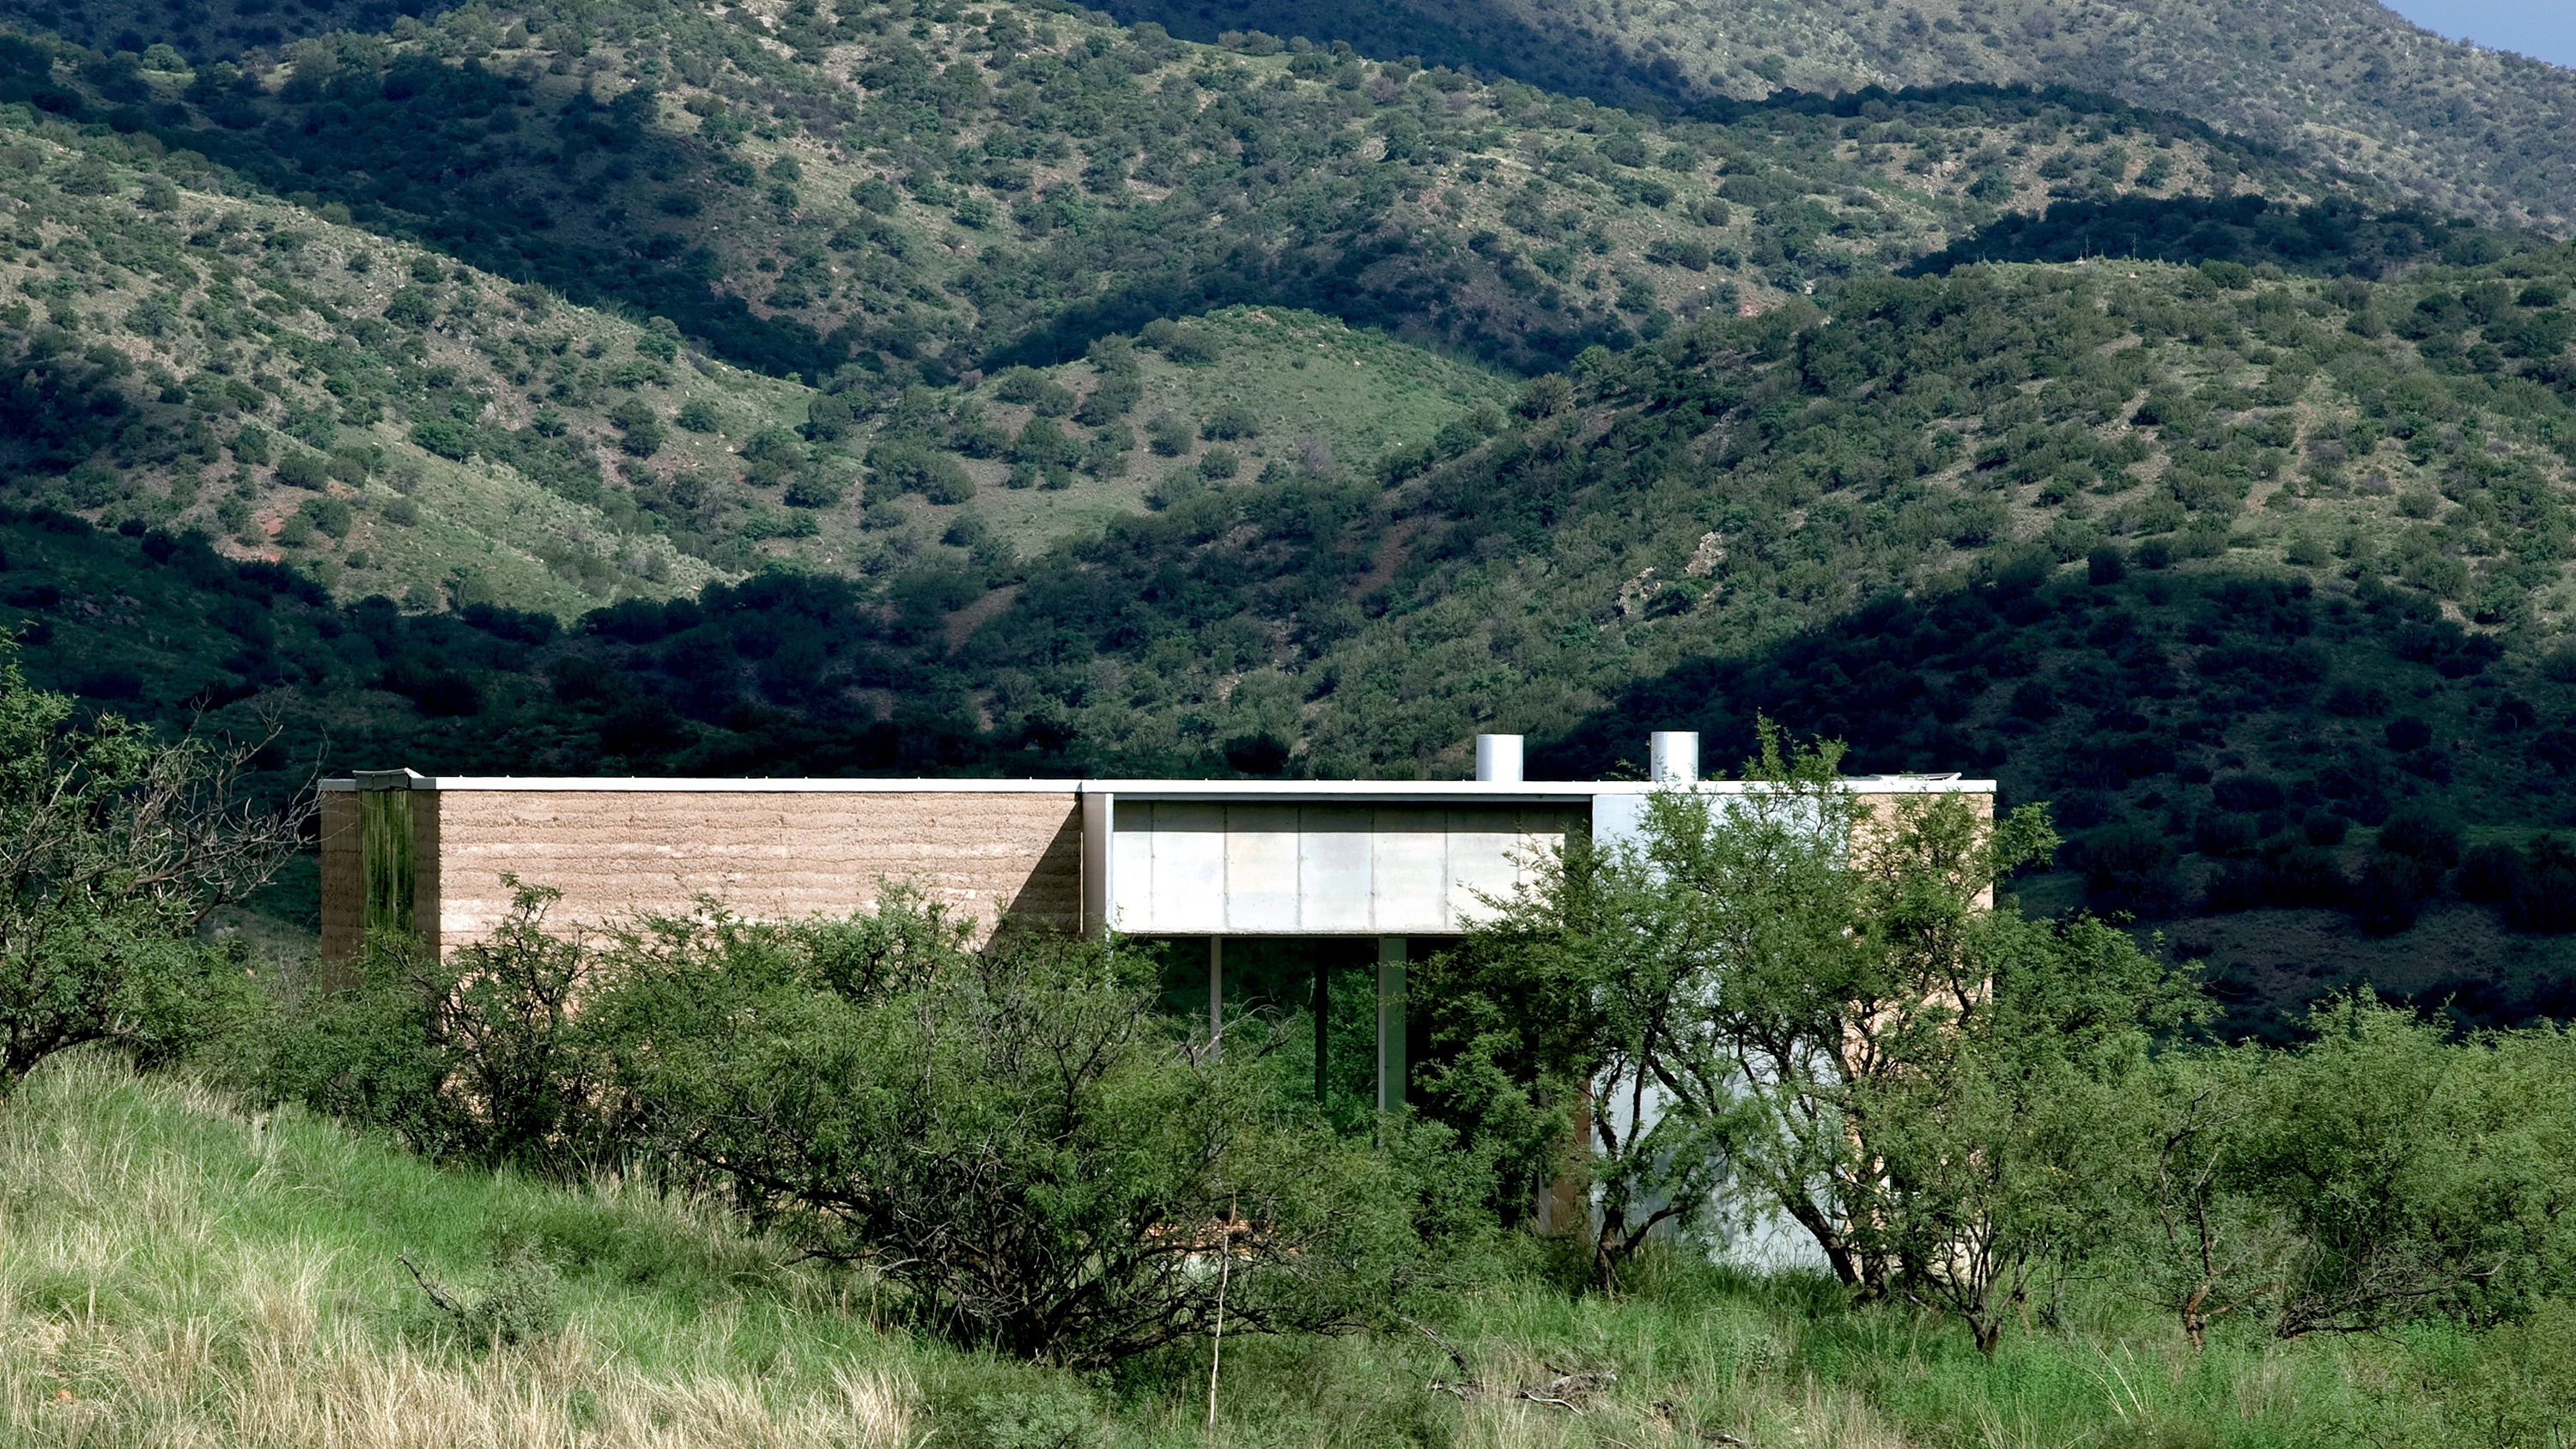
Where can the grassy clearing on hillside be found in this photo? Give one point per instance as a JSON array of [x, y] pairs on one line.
[[177, 1270], [1305, 377]]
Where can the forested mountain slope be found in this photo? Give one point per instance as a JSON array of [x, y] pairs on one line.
[[926, 196], [2347, 85], [281, 373], [869, 390]]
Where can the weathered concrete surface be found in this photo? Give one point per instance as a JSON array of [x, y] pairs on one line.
[[341, 884]]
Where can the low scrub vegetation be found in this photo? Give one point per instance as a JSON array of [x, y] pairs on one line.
[[872, 1184], [581, 1186]]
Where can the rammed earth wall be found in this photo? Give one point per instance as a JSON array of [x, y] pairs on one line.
[[615, 854]]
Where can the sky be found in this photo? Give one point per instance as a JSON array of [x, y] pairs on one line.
[[2541, 29]]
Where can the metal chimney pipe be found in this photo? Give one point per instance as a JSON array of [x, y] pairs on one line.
[[1673, 757], [1498, 758]]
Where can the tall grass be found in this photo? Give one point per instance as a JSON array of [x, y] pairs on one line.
[[174, 1270], [177, 1271]]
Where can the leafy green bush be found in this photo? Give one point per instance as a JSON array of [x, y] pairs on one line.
[[1229, 423], [113, 847], [1167, 435], [827, 416], [1018, 384], [2489, 872], [1033, 1158], [446, 437], [477, 1056], [354, 465], [2389, 894], [300, 469], [1041, 443], [1191, 346], [330, 515], [411, 307], [1680, 251], [2413, 1173], [639, 428], [2423, 833], [815, 489], [1116, 396], [897, 467]]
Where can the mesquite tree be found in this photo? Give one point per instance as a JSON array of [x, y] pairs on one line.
[[1032, 1156], [114, 845], [1805, 1007]]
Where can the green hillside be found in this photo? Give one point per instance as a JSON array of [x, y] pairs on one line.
[[398, 424], [299, 388], [1004, 391], [920, 197], [2346, 86], [2165, 408]]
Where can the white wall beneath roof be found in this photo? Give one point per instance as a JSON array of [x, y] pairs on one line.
[[1188, 868]]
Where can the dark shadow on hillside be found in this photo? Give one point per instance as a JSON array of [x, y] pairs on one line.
[[2331, 238], [208, 30], [383, 146], [1460, 35], [2241, 747], [432, 152], [2004, 102]]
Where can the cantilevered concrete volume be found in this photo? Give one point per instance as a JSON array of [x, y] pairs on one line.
[[1405, 862]]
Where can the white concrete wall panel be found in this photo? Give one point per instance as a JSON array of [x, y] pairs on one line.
[[1192, 868], [1261, 858], [1484, 860], [1183, 880], [1410, 895], [1334, 869]]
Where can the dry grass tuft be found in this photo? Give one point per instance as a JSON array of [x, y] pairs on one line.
[[154, 1297]]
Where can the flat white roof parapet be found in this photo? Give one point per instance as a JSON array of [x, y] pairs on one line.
[[1567, 792]]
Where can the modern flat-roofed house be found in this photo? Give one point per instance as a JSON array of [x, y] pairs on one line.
[[1284, 883]]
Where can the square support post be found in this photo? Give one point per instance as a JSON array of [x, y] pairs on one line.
[[1099, 854], [1216, 993], [1390, 1023], [1323, 1024]]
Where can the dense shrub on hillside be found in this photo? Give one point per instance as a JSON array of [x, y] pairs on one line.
[[114, 846], [2328, 238], [478, 1055], [1031, 1156]]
